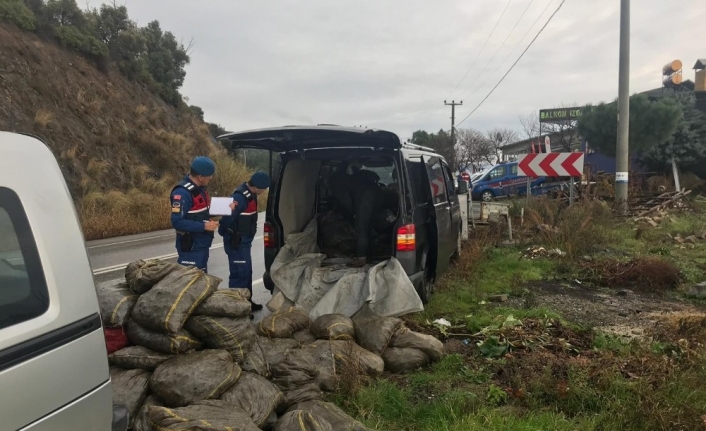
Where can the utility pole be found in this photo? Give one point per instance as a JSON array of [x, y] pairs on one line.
[[453, 105], [621, 160]]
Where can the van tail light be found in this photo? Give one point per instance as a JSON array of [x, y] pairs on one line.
[[268, 235], [406, 238]]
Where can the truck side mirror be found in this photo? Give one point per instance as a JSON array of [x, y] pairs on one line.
[[462, 188]]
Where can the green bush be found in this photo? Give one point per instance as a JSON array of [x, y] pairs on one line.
[[17, 13], [75, 39], [147, 54]]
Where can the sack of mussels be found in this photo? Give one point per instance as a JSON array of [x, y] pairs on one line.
[[186, 356]]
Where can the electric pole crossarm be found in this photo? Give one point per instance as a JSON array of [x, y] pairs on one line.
[[453, 105]]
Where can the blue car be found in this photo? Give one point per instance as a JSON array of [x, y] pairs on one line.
[[502, 181]]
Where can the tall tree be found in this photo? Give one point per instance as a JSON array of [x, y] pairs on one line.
[[65, 12], [652, 122], [110, 22], [421, 137], [497, 139], [166, 60], [687, 145], [441, 142], [473, 149]]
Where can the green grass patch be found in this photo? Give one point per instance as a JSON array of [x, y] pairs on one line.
[[602, 382], [612, 343], [386, 406], [501, 270]]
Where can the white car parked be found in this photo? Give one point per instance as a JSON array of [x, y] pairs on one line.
[[53, 361]]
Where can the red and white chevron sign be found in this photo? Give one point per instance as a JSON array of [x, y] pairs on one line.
[[551, 165]]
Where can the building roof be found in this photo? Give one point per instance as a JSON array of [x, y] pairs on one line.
[[686, 85], [700, 64]]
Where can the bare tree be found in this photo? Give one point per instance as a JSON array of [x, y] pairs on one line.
[[564, 132], [497, 139], [473, 149], [530, 126]]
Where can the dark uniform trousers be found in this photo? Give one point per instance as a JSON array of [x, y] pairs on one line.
[[240, 264], [238, 238]]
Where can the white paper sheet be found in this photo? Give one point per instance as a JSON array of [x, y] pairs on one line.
[[220, 206]]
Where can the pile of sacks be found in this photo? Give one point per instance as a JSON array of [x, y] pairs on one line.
[[186, 356]]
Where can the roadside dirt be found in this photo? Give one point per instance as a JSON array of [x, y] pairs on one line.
[[622, 312]]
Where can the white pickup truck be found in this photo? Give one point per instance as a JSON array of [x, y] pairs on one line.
[[53, 361]]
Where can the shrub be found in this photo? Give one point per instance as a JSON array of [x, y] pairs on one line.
[[576, 230], [17, 13], [73, 38]]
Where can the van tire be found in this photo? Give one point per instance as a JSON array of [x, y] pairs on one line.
[[459, 246], [487, 196], [425, 289]]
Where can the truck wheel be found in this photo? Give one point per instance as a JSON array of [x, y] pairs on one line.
[[487, 196]]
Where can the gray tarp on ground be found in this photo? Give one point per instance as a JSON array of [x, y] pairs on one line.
[[320, 286]]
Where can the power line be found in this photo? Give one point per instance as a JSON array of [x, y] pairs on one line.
[[514, 64], [499, 47], [514, 47], [481, 49]]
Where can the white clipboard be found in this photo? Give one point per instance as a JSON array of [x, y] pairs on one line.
[[220, 206]]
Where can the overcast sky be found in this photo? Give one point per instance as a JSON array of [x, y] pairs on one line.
[[391, 64]]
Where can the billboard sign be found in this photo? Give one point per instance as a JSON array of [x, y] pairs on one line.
[[559, 115]]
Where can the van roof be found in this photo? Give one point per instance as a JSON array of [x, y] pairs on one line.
[[288, 138]]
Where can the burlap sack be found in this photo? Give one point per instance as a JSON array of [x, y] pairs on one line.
[[194, 377], [168, 305]]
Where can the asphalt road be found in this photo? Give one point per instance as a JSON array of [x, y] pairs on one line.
[[109, 257]]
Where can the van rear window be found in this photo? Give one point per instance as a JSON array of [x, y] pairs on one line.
[[23, 289], [418, 181]]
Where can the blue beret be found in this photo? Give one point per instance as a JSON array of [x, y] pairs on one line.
[[260, 180], [203, 166]]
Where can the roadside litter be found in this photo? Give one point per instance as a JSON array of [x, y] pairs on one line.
[[191, 359]]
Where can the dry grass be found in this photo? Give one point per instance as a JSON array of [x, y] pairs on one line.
[[145, 207], [643, 273], [116, 213], [43, 118], [575, 230]]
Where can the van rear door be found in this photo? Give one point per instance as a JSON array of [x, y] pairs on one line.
[[442, 212]]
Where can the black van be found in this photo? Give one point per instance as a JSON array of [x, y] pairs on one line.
[[424, 225]]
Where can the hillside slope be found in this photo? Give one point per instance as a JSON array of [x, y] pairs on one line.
[[120, 147]]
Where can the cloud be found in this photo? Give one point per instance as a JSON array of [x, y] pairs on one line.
[[391, 64]]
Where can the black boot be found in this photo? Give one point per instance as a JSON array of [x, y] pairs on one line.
[[254, 306]]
